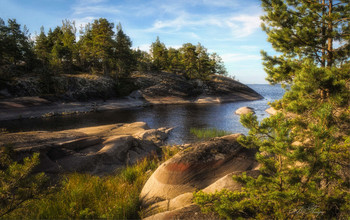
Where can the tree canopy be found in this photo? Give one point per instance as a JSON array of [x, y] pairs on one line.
[[192, 60], [101, 48]]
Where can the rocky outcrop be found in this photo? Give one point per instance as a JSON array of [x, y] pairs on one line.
[[168, 88], [154, 87], [244, 110], [64, 87], [96, 150], [85, 92], [206, 166]]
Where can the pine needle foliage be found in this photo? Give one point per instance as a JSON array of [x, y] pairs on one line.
[[304, 151], [18, 184]]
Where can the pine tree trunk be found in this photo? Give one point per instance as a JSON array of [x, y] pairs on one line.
[[323, 58], [330, 39]]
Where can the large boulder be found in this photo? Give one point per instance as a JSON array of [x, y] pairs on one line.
[[206, 166], [244, 110]]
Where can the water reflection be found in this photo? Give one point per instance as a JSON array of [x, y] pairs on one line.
[[181, 117]]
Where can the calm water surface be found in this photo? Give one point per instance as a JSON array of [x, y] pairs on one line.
[[181, 117]]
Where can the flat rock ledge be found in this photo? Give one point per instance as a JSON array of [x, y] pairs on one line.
[[96, 150], [206, 166]]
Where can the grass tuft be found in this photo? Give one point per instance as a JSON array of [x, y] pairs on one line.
[[207, 133]]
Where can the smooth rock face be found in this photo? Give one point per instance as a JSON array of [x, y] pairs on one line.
[[244, 110], [207, 165], [97, 150]]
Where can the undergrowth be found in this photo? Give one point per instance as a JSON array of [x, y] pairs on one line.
[[87, 196]]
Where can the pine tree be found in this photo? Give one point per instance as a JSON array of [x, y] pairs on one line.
[[204, 65], [124, 58], [302, 30], [217, 65], [57, 49], [41, 48], [143, 60], [17, 47], [102, 44], [304, 150], [69, 44], [159, 54], [189, 60], [174, 60], [84, 48], [3, 38]]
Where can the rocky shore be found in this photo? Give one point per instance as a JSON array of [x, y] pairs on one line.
[[168, 193], [96, 150], [100, 150], [23, 99]]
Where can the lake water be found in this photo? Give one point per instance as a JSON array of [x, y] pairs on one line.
[[181, 117]]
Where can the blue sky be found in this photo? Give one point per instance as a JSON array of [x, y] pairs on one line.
[[230, 28]]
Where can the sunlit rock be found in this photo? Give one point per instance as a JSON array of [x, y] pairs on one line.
[[244, 110]]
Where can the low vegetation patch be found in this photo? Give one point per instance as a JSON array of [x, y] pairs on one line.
[[87, 196], [206, 133]]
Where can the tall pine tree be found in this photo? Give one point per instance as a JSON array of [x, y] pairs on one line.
[[124, 57], [304, 150], [159, 54], [102, 44]]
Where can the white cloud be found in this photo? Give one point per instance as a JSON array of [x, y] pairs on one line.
[[176, 23], [244, 25], [81, 22], [239, 26]]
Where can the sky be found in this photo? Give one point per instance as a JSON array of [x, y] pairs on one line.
[[231, 28]]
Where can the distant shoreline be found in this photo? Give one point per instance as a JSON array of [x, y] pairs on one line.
[[35, 107]]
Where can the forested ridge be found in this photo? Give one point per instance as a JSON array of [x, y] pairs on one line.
[[99, 48]]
